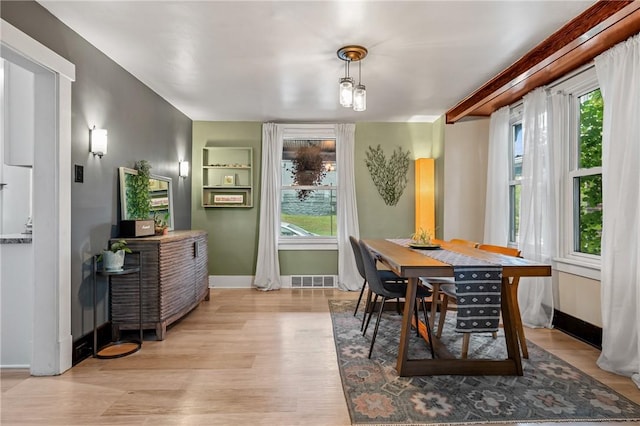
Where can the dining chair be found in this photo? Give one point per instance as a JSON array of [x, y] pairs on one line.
[[390, 292], [447, 290], [462, 242], [509, 251], [386, 276]]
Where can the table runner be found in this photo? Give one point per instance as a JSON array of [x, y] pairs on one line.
[[478, 285]]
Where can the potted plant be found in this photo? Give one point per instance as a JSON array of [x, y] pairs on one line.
[[308, 169], [113, 257], [161, 223], [138, 197]]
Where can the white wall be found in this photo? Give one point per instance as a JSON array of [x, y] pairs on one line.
[[465, 179]]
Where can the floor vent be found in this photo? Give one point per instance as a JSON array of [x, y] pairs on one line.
[[313, 281]]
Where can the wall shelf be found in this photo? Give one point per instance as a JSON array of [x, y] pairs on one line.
[[227, 177]]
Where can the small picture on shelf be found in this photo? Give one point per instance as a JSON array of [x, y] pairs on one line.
[[229, 180], [227, 198]]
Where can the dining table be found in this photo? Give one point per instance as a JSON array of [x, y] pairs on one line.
[[413, 264]]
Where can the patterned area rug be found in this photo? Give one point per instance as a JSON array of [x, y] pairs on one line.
[[550, 390]]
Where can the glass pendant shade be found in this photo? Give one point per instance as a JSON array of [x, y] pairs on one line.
[[360, 98], [346, 92]]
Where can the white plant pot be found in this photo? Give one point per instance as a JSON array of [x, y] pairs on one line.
[[113, 261]]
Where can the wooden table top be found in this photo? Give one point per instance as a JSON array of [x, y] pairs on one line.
[[411, 263]]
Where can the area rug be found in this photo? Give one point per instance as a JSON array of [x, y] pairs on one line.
[[550, 390]]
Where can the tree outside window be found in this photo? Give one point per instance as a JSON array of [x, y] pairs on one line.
[[587, 180]]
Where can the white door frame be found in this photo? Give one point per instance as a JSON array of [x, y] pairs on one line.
[[52, 340]]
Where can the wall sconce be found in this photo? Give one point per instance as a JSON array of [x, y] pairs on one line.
[[98, 141], [183, 169]]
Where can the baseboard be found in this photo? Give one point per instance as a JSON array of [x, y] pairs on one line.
[[578, 328], [230, 281], [83, 347]]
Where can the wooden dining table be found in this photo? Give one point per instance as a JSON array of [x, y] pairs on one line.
[[412, 264]]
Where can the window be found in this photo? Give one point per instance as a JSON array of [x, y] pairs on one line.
[[581, 177], [580, 192], [309, 190], [515, 174], [586, 174]]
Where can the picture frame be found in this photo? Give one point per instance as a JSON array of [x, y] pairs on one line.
[[227, 198], [229, 180]]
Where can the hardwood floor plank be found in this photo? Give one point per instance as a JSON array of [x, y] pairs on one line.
[[246, 357]]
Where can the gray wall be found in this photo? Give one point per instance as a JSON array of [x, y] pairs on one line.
[[141, 125]]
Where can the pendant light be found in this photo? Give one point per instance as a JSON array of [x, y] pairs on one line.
[[351, 96]]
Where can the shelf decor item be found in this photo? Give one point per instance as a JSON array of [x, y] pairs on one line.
[[228, 199], [229, 180]]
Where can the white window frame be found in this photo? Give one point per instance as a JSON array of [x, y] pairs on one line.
[[515, 117], [569, 260], [309, 131]]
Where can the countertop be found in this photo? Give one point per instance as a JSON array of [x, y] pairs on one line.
[[15, 238]]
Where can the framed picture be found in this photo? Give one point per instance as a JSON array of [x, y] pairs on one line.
[[227, 199], [229, 180]]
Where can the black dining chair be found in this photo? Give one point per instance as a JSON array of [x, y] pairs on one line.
[[386, 276], [395, 291]]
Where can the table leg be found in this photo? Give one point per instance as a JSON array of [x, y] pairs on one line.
[[513, 289], [407, 316], [510, 329]]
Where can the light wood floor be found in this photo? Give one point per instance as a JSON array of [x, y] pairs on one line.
[[244, 358]]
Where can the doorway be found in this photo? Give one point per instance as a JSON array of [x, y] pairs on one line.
[[51, 345]]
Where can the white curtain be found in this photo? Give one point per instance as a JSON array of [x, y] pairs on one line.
[[268, 265], [348, 276], [618, 72], [496, 217], [537, 210]]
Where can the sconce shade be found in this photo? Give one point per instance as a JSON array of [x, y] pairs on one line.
[[183, 169], [98, 141], [425, 195]]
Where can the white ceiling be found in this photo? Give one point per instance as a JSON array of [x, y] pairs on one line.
[[276, 60]]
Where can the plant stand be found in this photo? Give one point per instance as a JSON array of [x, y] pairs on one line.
[[118, 348]]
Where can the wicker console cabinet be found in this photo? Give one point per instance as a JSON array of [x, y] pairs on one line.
[[174, 281]]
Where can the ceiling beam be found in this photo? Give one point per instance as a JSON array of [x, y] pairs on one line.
[[597, 29]]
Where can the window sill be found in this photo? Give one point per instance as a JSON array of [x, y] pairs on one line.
[[577, 267], [308, 244]]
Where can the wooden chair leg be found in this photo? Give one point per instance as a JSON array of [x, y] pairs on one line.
[[465, 345], [495, 334], [435, 302], [428, 328], [443, 313]]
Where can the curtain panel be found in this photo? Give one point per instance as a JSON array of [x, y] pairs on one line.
[[268, 264], [496, 218], [348, 276], [618, 71], [537, 210]]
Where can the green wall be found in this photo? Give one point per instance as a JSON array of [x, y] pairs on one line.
[[233, 232]]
